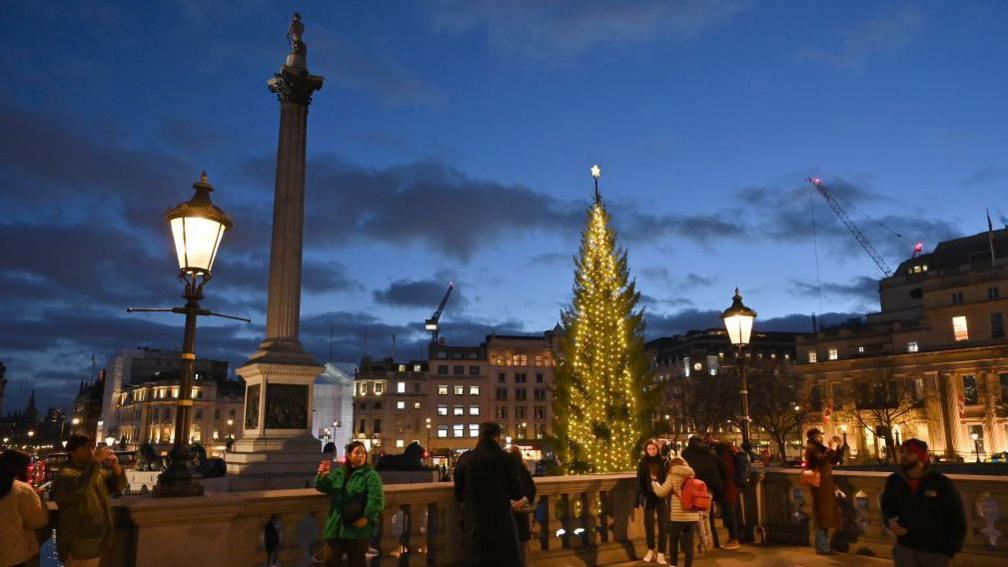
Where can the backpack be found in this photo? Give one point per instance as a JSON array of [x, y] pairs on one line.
[[743, 469], [694, 495]]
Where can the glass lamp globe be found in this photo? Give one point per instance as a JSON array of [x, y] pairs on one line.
[[738, 321], [197, 227]]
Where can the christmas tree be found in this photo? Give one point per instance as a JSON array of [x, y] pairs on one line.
[[602, 391]]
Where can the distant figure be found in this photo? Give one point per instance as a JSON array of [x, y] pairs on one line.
[[271, 539], [357, 501], [82, 489], [488, 486], [652, 468], [923, 509], [21, 511], [825, 507], [523, 516]]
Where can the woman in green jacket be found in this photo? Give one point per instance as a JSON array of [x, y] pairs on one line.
[[357, 500]]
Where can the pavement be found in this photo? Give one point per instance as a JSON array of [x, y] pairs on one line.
[[769, 556]]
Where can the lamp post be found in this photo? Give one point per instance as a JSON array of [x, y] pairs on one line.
[[197, 227], [430, 453], [738, 321], [976, 445]]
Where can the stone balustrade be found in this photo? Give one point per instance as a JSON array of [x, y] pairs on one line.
[[781, 510]]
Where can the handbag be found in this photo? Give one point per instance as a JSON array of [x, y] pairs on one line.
[[810, 478], [351, 507]]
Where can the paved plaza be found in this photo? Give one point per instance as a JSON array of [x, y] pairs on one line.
[[768, 556]]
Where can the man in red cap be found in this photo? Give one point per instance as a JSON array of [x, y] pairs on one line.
[[922, 507]]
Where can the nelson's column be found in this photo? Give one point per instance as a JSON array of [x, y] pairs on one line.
[[278, 449]]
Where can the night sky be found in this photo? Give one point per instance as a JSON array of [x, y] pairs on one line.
[[452, 141]]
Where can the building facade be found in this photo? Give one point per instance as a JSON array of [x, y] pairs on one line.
[[332, 407], [88, 406], [931, 364], [440, 402]]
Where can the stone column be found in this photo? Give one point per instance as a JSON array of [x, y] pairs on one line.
[[277, 449]]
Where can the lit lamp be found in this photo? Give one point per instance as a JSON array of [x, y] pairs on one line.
[[428, 447], [976, 445], [197, 228], [738, 321]]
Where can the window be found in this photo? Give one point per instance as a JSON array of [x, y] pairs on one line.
[[520, 360], [539, 412], [416, 387], [458, 370], [501, 377], [1003, 379], [442, 431], [540, 394], [400, 443], [957, 298], [442, 409], [473, 410], [832, 354], [812, 356], [520, 412], [540, 430], [501, 412], [416, 368], [993, 293], [442, 389], [539, 378], [400, 387], [458, 430], [459, 390], [501, 394], [816, 397], [997, 326], [442, 354], [377, 426], [458, 409], [402, 368], [457, 355], [400, 405], [912, 346], [971, 396], [521, 378], [377, 405], [473, 390], [959, 329], [199, 414], [216, 414], [474, 370], [379, 388], [442, 369], [416, 405], [860, 349], [521, 394], [474, 430]]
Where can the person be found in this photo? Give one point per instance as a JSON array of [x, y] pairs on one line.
[[271, 539], [488, 487], [652, 467], [709, 469], [82, 490], [523, 517], [730, 496], [923, 509], [825, 507], [682, 522], [21, 511], [357, 498]]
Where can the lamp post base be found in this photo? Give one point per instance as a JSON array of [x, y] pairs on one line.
[[179, 479]]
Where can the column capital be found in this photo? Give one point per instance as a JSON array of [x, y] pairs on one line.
[[294, 85]]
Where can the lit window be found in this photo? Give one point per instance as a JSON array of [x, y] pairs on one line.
[[416, 405], [402, 368], [442, 431], [959, 328], [416, 368], [473, 430], [458, 430], [400, 405], [473, 390], [379, 388], [442, 409], [912, 346], [400, 387], [787, 356], [400, 443], [833, 354], [458, 410], [812, 356], [459, 390], [442, 390], [473, 410], [860, 348]]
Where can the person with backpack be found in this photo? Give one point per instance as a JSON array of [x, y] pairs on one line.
[[923, 509], [711, 470], [689, 496], [730, 497], [820, 459], [653, 468], [357, 501]]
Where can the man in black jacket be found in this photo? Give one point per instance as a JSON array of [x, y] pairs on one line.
[[710, 469], [923, 508], [488, 486]]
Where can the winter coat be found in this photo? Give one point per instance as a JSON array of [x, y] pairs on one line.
[[731, 489], [824, 501], [84, 527], [523, 520], [933, 515], [644, 469], [21, 513], [708, 467], [362, 480], [678, 472], [487, 479]]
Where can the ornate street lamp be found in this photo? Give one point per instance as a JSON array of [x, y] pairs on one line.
[[738, 321], [976, 445], [197, 228]]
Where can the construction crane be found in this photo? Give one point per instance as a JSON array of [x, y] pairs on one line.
[[854, 230], [434, 323]]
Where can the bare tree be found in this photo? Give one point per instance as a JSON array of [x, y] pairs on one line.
[[885, 402], [778, 405], [703, 402]]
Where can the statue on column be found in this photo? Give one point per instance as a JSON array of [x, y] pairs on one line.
[[294, 34]]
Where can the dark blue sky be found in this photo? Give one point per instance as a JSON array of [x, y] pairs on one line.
[[452, 141]]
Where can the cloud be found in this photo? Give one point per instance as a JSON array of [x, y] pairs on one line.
[[562, 30], [688, 282], [417, 293], [863, 288], [887, 33], [663, 325], [985, 175], [550, 259]]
